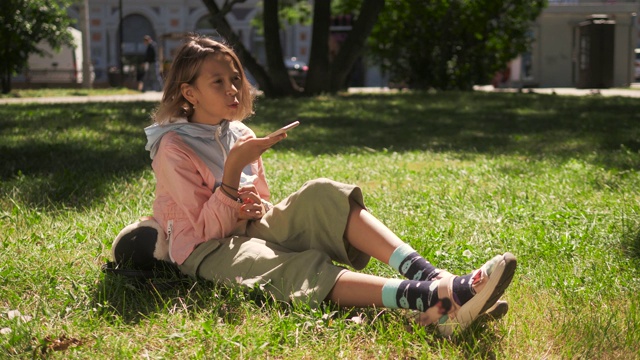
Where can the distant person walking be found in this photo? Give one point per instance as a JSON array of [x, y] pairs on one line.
[[152, 80]]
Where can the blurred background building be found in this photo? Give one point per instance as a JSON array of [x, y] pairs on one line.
[[580, 43], [577, 43]]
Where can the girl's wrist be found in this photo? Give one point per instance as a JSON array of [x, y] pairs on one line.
[[232, 167], [231, 180], [229, 187]]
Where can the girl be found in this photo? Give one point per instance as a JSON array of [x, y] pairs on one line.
[[212, 200]]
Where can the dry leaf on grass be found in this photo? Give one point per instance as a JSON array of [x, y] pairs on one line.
[[60, 344]]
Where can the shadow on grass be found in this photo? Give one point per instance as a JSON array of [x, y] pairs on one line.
[[122, 299], [69, 154], [129, 300]]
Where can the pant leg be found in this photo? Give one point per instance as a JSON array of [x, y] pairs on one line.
[[290, 251], [157, 79], [287, 275], [314, 217], [146, 79]]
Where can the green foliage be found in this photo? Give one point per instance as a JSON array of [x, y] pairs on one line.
[[461, 176], [301, 11], [23, 24], [346, 6], [291, 12], [295, 12], [451, 44]]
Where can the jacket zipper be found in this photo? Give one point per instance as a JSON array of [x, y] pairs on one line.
[[169, 230], [224, 150], [169, 235]]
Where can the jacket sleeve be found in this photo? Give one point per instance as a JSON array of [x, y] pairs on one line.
[[212, 214]]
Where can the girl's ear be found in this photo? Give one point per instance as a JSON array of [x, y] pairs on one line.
[[187, 92]]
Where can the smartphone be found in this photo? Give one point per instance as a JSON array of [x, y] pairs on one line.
[[284, 129]]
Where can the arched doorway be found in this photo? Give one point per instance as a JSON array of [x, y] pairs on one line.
[[134, 28]]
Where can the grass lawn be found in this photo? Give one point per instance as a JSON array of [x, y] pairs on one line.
[[460, 176]]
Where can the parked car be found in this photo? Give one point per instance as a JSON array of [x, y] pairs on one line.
[[297, 70]]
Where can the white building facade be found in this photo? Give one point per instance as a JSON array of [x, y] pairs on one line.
[[581, 43]]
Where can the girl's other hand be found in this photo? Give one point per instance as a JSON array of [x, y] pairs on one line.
[[249, 194], [252, 207]]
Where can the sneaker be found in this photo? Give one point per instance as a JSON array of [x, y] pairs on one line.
[[489, 283]]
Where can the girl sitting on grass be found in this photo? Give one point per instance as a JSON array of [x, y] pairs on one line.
[[212, 200]]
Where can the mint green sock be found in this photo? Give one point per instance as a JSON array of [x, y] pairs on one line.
[[389, 293], [411, 265]]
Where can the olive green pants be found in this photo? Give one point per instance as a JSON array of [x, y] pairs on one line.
[[290, 252]]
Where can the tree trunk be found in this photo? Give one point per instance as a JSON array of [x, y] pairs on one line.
[[6, 81], [319, 71], [282, 83], [355, 43], [5, 74]]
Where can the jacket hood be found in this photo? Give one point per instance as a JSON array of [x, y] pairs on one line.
[[202, 139], [156, 131]]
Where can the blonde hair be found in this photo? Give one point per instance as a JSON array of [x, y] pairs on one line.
[[185, 69]]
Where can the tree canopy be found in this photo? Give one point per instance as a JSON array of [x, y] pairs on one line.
[[451, 44], [25, 23]]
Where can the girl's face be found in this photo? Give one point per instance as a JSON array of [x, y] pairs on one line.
[[214, 93]]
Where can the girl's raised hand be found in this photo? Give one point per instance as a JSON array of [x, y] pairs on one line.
[[248, 148]]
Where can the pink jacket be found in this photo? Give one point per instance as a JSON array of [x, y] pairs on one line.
[[185, 205]]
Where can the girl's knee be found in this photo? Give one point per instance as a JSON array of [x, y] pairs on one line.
[[319, 188]]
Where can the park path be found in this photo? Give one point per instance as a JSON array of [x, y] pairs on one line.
[[633, 91], [152, 96]]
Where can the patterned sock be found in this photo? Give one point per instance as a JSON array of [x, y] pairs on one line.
[[462, 290], [410, 294], [411, 265]]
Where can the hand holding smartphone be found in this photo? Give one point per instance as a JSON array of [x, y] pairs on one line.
[[284, 129]]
